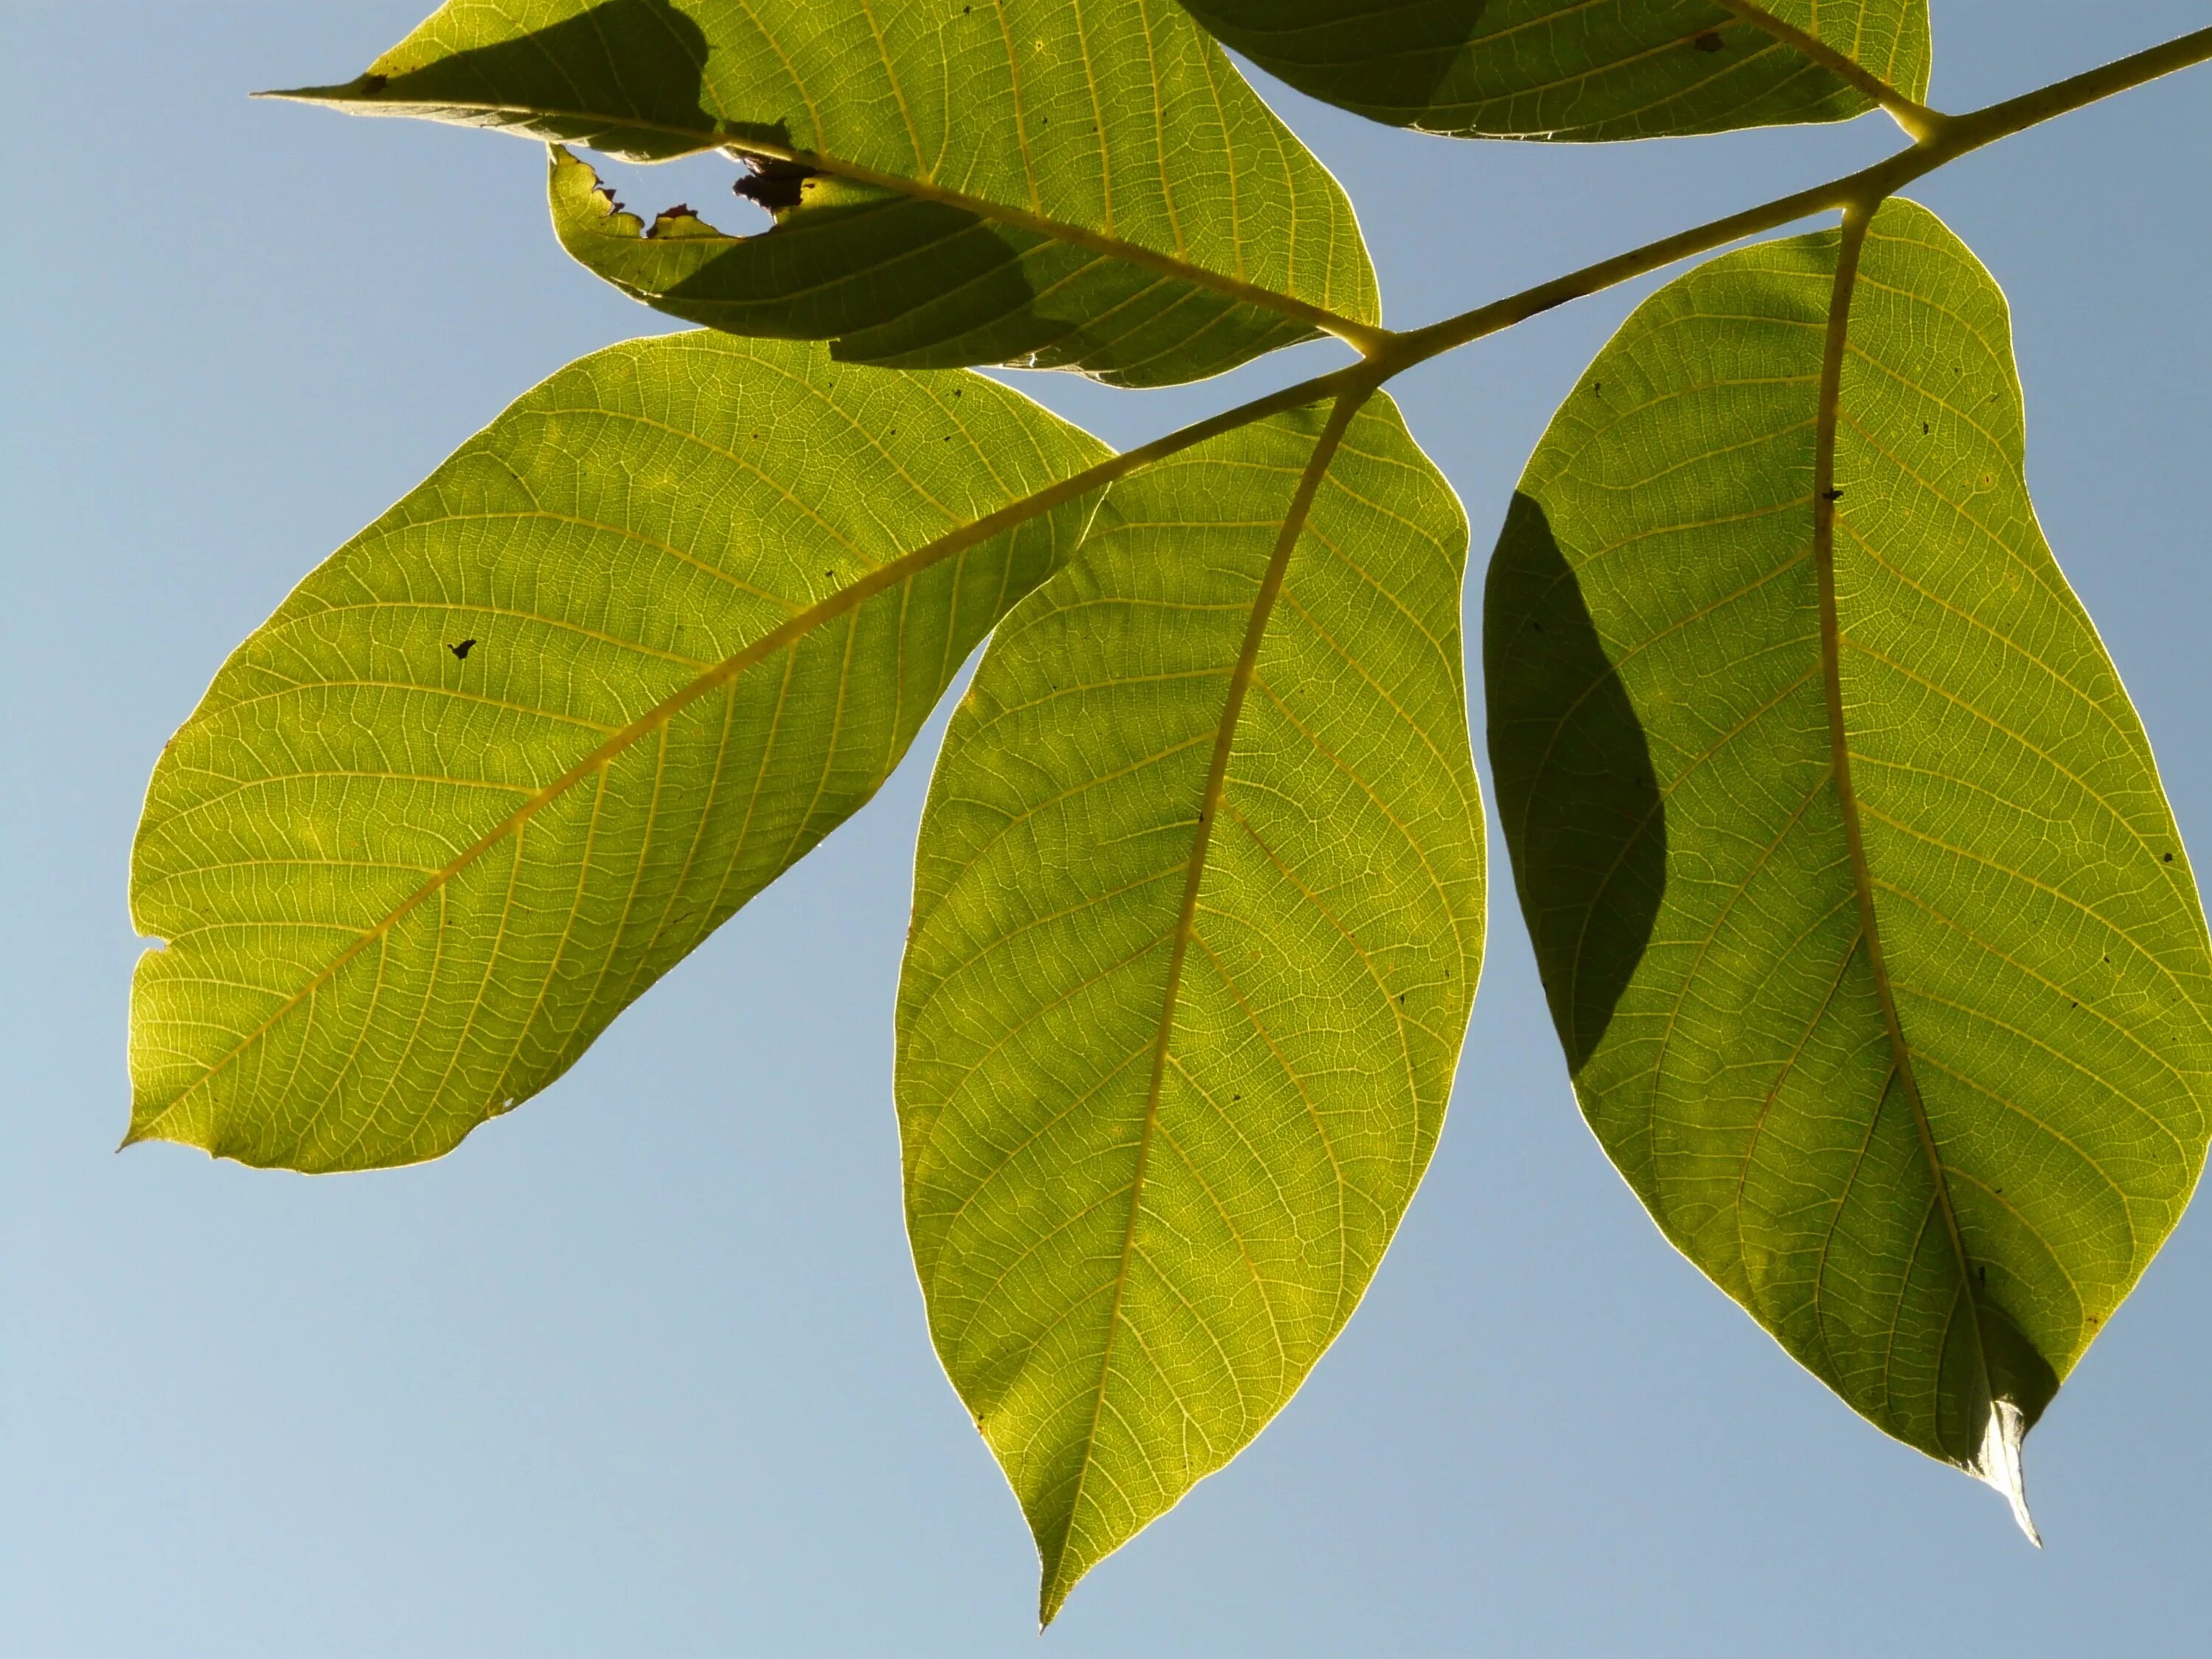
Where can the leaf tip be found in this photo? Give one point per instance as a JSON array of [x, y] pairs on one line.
[[1999, 1462], [360, 89], [140, 1130], [1059, 1573]]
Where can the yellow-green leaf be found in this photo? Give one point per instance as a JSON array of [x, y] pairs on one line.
[[1583, 69], [517, 747], [1863, 919], [1197, 917], [1050, 182]]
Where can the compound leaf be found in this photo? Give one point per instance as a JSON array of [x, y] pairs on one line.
[[1580, 69], [1197, 917], [1040, 183], [522, 744], [1863, 919]]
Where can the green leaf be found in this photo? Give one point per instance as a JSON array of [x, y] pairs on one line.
[[1019, 181], [1578, 69], [1863, 919], [516, 748], [1198, 918]]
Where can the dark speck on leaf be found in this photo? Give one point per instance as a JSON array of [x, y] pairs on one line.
[[2169, 858], [1709, 41], [1923, 426], [772, 183], [1831, 495], [374, 82], [462, 649]]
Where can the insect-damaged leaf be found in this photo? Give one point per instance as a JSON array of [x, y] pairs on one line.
[[1864, 922], [1040, 182], [1198, 915], [1573, 68], [713, 588]]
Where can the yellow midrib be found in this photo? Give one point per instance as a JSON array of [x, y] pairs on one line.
[[1056, 1583], [1857, 219], [1367, 338], [784, 634]]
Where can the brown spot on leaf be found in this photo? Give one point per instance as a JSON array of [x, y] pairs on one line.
[[1709, 41]]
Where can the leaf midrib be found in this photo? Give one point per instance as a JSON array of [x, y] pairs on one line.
[[785, 633], [1055, 1588], [1857, 218], [1365, 336]]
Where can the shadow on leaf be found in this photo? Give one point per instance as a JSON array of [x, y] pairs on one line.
[[1583, 817]]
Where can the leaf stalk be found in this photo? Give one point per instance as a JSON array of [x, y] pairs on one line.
[[1922, 124]]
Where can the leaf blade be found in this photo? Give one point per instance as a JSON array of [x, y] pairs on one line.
[[661, 667], [1542, 69], [1749, 648], [1089, 931], [1086, 154]]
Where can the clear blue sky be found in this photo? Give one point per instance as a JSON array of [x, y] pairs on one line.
[[642, 1368]]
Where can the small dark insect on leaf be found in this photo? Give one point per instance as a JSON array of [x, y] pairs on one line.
[[462, 649], [374, 82], [1709, 41], [2169, 858], [771, 182], [1923, 426]]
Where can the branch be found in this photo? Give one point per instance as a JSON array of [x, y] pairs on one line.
[[1402, 350], [1960, 134]]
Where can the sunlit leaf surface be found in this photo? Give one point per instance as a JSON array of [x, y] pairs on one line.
[[1083, 184], [524, 742], [1576, 68], [1197, 917], [1864, 921]]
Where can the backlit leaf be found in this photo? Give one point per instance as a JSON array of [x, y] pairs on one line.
[[1863, 919], [1576, 68], [1049, 183], [1197, 917], [517, 747]]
